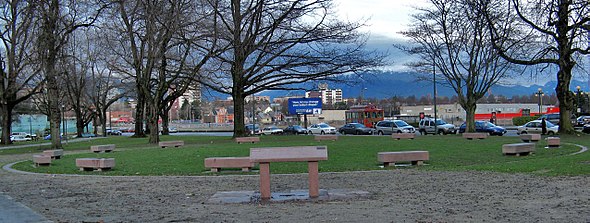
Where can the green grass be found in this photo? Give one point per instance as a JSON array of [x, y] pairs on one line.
[[447, 153]]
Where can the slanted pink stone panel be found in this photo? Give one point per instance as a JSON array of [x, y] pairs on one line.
[[252, 139], [553, 141], [404, 156], [399, 136], [518, 148], [165, 144], [325, 137], [95, 163], [289, 154], [215, 163], [54, 154], [475, 135], [41, 160], [102, 148], [530, 137]]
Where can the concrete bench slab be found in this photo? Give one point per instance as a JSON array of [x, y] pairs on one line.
[[102, 148], [54, 154], [475, 135], [309, 154], [553, 142], [252, 139], [216, 163], [99, 164], [41, 160], [325, 137], [165, 144], [390, 158], [518, 149], [530, 137], [399, 136]]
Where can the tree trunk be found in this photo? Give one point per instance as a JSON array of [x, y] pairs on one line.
[[566, 97], [165, 124], [470, 116], [239, 127], [103, 121], [6, 114], [152, 123], [79, 124], [139, 110]]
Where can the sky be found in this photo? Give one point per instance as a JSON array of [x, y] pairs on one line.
[[386, 17]]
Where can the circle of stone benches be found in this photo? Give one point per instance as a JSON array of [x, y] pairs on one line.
[[518, 149], [99, 164], [390, 158]]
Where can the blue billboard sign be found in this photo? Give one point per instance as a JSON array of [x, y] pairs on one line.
[[305, 106]]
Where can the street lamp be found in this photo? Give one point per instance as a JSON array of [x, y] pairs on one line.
[[362, 95], [540, 94], [578, 93]]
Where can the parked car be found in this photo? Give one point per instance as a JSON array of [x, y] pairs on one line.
[[554, 118], [356, 129], [582, 120], [295, 130], [48, 137], [253, 129], [427, 126], [88, 135], [321, 128], [388, 127], [535, 127], [485, 126], [26, 135], [172, 130], [19, 138], [114, 132], [272, 130], [586, 129]]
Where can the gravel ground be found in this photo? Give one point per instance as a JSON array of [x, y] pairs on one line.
[[401, 195]]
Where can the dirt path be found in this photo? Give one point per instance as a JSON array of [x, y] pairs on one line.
[[396, 196]]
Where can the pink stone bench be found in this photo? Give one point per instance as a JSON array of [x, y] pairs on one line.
[[518, 149], [99, 164], [390, 158], [102, 148], [216, 163], [54, 154], [309, 154], [165, 144], [553, 142], [325, 137], [474, 135], [530, 137], [252, 139], [399, 136], [41, 160]]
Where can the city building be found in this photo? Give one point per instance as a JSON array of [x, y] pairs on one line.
[[328, 96]]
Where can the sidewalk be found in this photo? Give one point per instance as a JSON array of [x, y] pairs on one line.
[[15, 212], [45, 143]]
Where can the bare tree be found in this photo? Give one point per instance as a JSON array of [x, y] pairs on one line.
[[167, 41], [549, 33], [56, 26], [452, 37], [20, 78], [273, 44]]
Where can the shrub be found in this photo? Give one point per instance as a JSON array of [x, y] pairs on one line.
[[518, 121]]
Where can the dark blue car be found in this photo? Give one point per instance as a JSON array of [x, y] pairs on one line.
[[485, 126]]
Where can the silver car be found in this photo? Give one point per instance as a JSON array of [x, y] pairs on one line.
[[321, 129], [388, 127], [535, 127]]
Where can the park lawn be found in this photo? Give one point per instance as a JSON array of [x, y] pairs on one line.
[[349, 153]]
